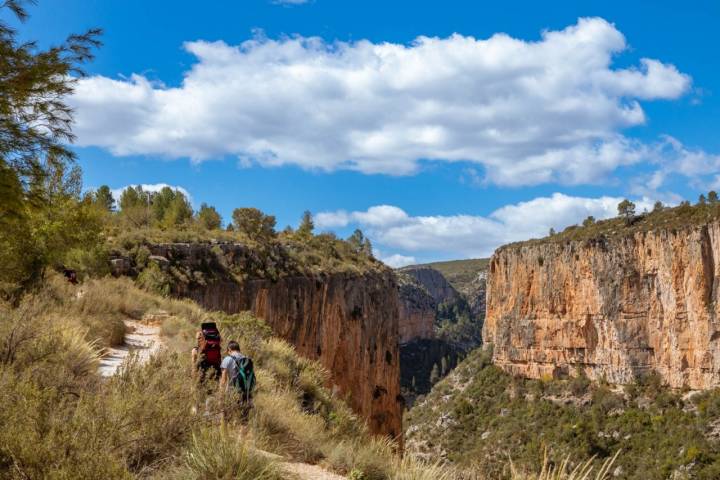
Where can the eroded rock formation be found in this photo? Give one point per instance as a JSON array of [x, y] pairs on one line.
[[349, 322], [417, 311], [614, 308], [434, 283]]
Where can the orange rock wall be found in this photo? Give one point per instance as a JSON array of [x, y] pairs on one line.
[[348, 323], [417, 314], [614, 308]]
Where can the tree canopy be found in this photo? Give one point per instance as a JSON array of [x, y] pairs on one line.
[[209, 217], [254, 223], [626, 209], [40, 206]]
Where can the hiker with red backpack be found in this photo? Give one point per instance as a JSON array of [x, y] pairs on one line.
[[206, 356]]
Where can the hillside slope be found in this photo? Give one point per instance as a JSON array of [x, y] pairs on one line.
[[148, 420], [346, 318], [479, 415]]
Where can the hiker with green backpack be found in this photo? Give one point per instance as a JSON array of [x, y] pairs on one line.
[[237, 376]]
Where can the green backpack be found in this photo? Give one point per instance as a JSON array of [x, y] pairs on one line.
[[244, 379]]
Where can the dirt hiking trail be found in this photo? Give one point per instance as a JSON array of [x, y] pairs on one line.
[[301, 471], [142, 338]]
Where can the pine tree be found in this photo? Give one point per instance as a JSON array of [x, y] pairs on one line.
[[102, 197], [35, 130], [254, 223], [626, 209], [367, 247], [356, 240], [208, 217], [712, 197], [135, 206], [307, 225], [590, 220], [178, 211]]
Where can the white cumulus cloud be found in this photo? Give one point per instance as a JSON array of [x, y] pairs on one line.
[[527, 112], [149, 187], [470, 235], [396, 260]]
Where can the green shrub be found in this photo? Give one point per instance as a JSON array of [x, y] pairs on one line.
[[94, 262], [153, 279], [60, 421], [373, 460]]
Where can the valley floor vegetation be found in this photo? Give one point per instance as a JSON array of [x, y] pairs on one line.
[[479, 417]]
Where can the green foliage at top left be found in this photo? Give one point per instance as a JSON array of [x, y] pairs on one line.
[[42, 216]]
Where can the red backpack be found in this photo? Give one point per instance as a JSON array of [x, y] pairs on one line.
[[209, 348]]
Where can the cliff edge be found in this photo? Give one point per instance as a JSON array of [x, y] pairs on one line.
[[612, 307]]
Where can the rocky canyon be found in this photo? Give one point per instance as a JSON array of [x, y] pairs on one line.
[[614, 308], [438, 326]]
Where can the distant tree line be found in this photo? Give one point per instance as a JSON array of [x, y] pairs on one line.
[[170, 209], [628, 210]]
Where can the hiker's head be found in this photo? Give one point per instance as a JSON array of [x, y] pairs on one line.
[[198, 336], [233, 346]]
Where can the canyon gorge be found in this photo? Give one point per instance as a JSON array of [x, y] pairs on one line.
[[439, 324]]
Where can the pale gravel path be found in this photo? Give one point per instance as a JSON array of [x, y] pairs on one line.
[[142, 339], [304, 471], [301, 471]]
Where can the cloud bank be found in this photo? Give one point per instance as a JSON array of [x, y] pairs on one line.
[[526, 112], [468, 235]]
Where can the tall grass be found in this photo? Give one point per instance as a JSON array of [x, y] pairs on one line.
[[215, 454], [563, 471]]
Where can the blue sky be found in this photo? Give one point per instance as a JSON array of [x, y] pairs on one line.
[[508, 119]]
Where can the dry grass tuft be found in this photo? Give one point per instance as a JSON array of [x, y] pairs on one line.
[[215, 454], [563, 471]]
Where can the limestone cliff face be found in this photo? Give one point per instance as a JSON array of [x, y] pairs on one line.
[[434, 282], [615, 308], [417, 311], [349, 322], [476, 294]]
